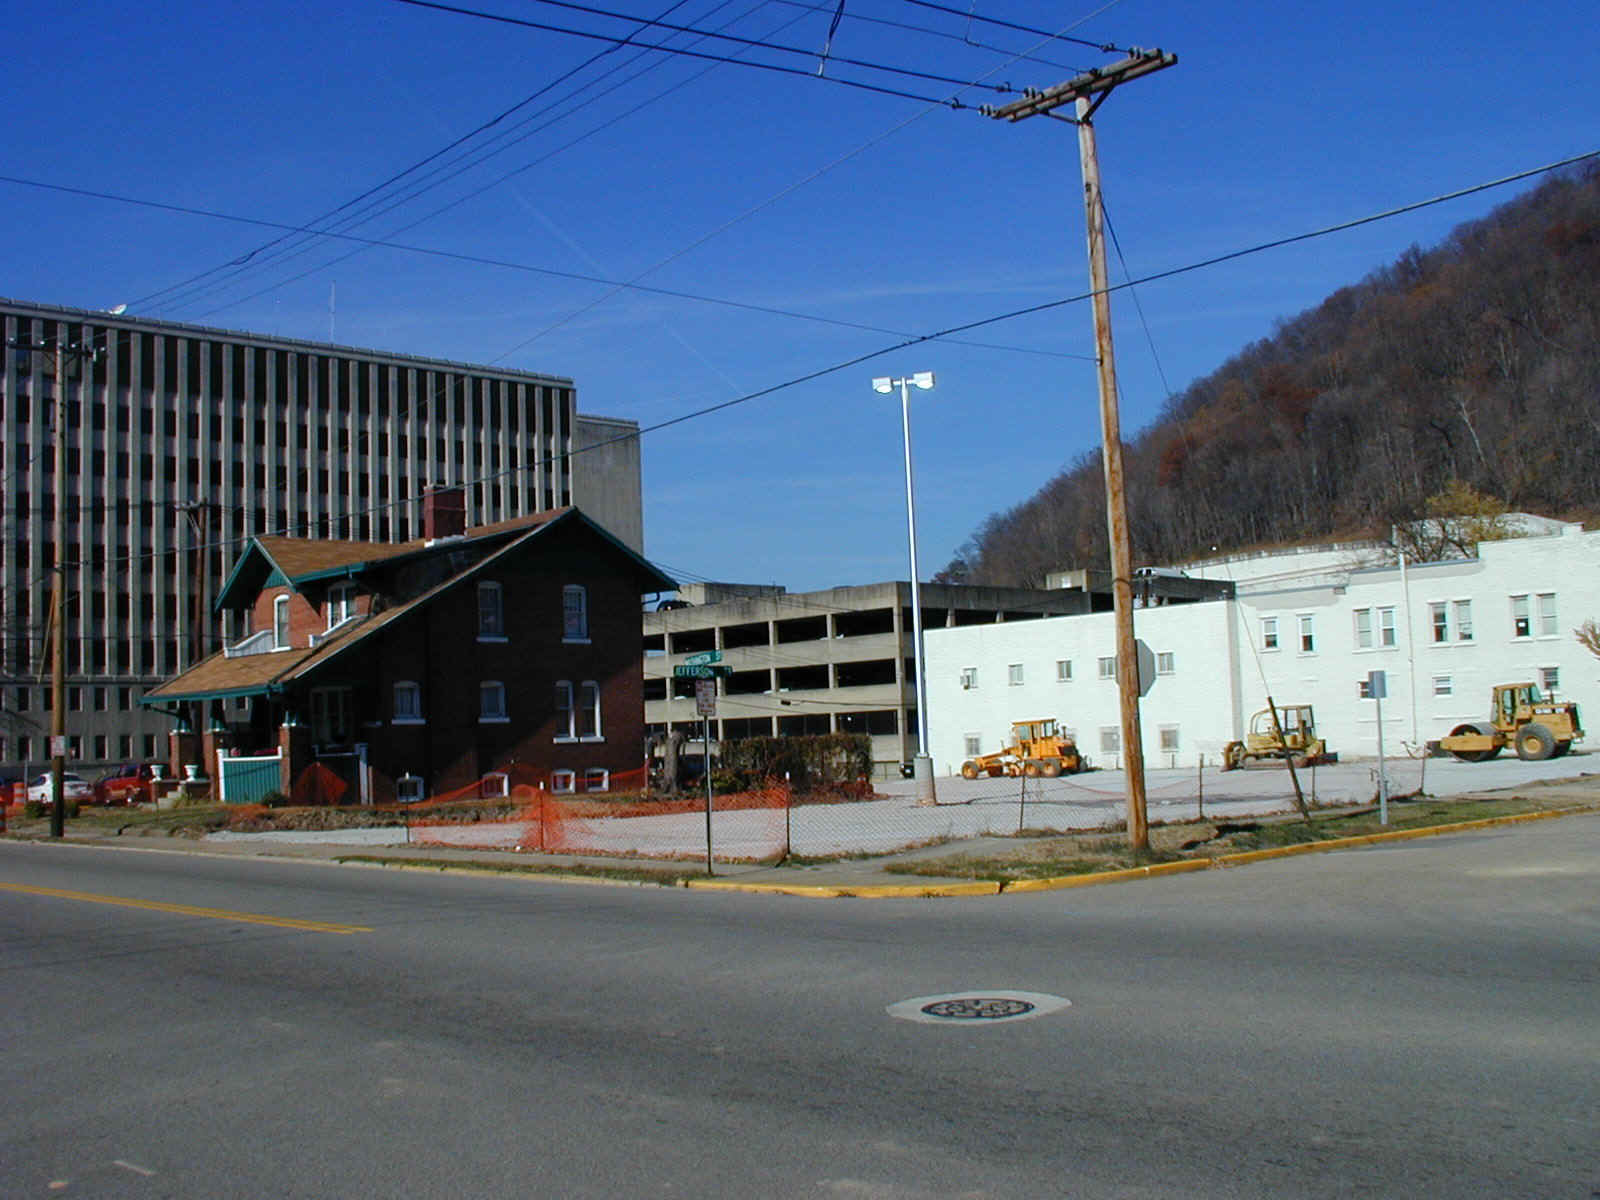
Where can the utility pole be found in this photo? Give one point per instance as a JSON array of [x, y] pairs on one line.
[[1087, 92]]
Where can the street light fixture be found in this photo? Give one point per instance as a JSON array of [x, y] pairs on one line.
[[922, 767]]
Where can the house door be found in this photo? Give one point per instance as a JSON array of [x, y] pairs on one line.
[[330, 716]]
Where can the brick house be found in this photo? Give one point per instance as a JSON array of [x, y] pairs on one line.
[[377, 671]]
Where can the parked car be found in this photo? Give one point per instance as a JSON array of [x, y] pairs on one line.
[[127, 784], [73, 787]]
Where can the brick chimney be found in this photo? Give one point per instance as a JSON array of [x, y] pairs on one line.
[[444, 513]]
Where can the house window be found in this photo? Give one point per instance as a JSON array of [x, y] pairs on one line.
[[575, 613], [1363, 628], [973, 745], [1167, 663], [407, 703], [492, 702], [1108, 668], [1549, 680], [494, 785], [280, 623], [596, 779], [1110, 739], [341, 603], [330, 716], [491, 612], [1444, 685], [1521, 622], [1063, 670], [1386, 628], [1439, 619], [408, 789], [1169, 739], [1269, 633], [1308, 633], [1463, 613], [1547, 614], [969, 678], [563, 781], [566, 714], [1014, 675], [589, 710]]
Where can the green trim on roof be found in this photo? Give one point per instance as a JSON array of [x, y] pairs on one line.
[[255, 689]]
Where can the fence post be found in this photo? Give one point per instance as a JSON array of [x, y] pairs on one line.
[[1201, 789]]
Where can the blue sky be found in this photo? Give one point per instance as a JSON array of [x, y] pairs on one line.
[[777, 191]]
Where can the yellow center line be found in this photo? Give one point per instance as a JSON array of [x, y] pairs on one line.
[[185, 910]]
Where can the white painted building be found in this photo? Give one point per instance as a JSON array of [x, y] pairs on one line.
[[1444, 634]]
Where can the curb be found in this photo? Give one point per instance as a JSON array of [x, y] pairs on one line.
[[867, 891]]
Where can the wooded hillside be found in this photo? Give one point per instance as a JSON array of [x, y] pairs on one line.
[[1477, 361]]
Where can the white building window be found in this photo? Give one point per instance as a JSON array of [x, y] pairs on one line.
[[589, 711], [578, 711], [1439, 621], [1308, 633], [596, 779], [1110, 739], [574, 613], [1521, 619], [969, 678], [494, 785], [1444, 685], [1269, 633], [563, 781], [491, 612], [1166, 663], [1547, 614], [1363, 628], [1063, 670], [1108, 668], [973, 743], [1169, 739], [1386, 629], [1549, 680], [408, 789], [1014, 675], [407, 702], [341, 603], [1463, 615], [492, 702], [280, 623]]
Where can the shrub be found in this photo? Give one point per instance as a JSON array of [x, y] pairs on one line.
[[33, 808], [815, 761], [274, 799]]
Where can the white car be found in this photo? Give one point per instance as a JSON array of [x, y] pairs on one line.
[[73, 787]]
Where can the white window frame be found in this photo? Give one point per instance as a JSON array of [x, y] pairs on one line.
[[588, 712], [566, 712], [969, 678], [1063, 670], [591, 775], [1110, 739], [409, 713], [575, 614], [1549, 681], [495, 785], [1522, 616], [972, 744], [1170, 741], [1388, 633], [1107, 666], [563, 781], [491, 611], [341, 604], [1545, 614], [1444, 685], [1363, 625], [1269, 633], [282, 636], [1307, 623], [1166, 662], [1461, 611], [409, 789], [495, 712], [1439, 621], [1013, 674]]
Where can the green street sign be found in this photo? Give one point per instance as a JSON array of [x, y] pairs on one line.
[[703, 660], [711, 672]]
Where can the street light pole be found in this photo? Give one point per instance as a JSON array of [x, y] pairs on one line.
[[922, 767]]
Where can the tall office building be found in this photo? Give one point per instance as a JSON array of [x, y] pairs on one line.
[[182, 441]]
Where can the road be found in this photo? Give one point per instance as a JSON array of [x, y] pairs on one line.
[[1420, 1020]]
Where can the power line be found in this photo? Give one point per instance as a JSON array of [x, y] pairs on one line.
[[927, 31], [1105, 47]]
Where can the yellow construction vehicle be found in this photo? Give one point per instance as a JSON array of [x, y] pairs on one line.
[[1299, 740], [1521, 717], [1037, 748]]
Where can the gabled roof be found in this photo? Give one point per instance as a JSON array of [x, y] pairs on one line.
[[271, 559], [220, 677]]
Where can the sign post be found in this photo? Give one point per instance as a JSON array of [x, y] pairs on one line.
[[1378, 688], [705, 703]]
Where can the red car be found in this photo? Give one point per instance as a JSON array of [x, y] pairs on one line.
[[127, 784]]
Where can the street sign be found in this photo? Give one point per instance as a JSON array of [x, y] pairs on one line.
[[705, 697], [704, 659], [711, 672]]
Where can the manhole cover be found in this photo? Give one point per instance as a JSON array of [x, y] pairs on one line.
[[977, 1007]]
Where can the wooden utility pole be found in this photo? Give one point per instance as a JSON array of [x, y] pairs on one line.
[[58, 611], [1088, 92]]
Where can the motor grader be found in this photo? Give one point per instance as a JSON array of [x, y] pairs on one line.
[[1299, 740], [1521, 717], [1036, 748]]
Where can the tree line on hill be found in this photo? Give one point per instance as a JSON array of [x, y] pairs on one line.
[[1472, 368]]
